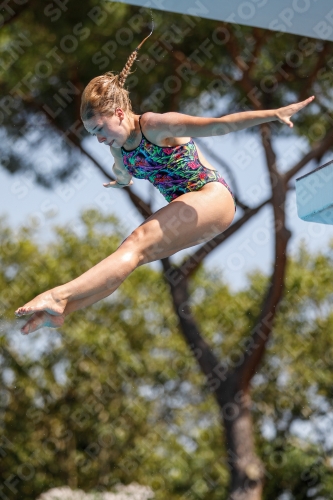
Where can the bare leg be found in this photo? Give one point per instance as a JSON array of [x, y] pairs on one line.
[[50, 310], [188, 220], [104, 277]]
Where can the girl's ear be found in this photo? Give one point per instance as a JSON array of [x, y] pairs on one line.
[[120, 113]]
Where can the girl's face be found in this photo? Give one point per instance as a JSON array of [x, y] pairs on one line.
[[109, 130]]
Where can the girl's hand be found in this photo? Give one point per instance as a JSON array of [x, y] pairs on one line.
[[116, 185], [284, 114]]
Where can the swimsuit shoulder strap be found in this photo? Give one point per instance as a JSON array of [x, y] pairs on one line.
[[143, 135], [141, 127]]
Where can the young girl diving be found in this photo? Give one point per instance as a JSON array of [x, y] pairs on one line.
[[159, 148]]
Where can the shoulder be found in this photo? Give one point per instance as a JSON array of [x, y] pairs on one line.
[[160, 119], [151, 121], [164, 125]]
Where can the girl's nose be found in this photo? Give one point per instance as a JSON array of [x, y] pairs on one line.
[[100, 138]]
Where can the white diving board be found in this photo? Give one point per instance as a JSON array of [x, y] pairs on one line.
[[314, 195]]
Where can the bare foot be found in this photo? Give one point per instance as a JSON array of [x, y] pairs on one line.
[[40, 319], [49, 302]]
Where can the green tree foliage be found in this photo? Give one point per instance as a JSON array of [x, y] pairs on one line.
[[93, 403], [115, 396]]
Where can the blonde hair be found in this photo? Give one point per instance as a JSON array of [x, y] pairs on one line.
[[105, 93]]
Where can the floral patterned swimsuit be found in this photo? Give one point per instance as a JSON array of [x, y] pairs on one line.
[[173, 170]]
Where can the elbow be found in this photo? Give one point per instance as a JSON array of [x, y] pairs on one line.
[[221, 129]]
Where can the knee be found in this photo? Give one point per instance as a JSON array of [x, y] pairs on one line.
[[132, 248], [144, 243]]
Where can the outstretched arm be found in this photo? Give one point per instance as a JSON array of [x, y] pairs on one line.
[[179, 125]]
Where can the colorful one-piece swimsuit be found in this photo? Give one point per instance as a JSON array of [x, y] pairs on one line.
[[173, 170]]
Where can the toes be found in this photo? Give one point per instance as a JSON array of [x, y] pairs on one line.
[[22, 311], [40, 319], [39, 305], [57, 321], [28, 310], [25, 329], [36, 321]]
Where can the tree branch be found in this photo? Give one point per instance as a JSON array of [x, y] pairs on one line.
[[246, 83], [311, 78], [180, 296], [260, 37], [315, 154], [261, 332]]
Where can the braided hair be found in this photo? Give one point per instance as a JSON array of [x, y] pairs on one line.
[[105, 93]]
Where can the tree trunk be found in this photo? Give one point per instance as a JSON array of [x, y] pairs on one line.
[[246, 469]]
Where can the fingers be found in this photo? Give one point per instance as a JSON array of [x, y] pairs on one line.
[[306, 102], [116, 185], [284, 114], [289, 123], [111, 184], [293, 109]]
